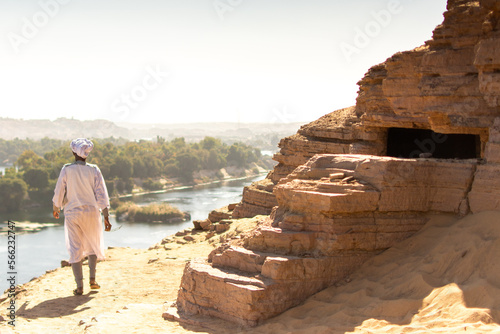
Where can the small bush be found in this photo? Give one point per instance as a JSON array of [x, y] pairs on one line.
[[152, 185], [161, 212]]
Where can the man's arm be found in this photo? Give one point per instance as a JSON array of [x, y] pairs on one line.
[[59, 193], [107, 224], [102, 198]]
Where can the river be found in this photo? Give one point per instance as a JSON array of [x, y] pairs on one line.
[[43, 250]]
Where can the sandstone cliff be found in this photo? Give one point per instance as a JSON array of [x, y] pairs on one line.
[[422, 140]]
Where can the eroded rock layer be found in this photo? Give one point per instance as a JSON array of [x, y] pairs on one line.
[[333, 213]]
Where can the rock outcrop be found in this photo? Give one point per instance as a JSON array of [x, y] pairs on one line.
[[338, 132], [333, 213], [218, 220], [423, 139], [258, 199]]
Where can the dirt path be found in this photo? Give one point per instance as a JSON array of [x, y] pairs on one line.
[[136, 285]]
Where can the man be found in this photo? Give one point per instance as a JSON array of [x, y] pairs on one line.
[[81, 191]]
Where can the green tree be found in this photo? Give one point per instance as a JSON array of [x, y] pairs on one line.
[[10, 173], [187, 163], [122, 168], [215, 160], [209, 143], [154, 166], [236, 155], [179, 143], [29, 159], [140, 169], [124, 186], [12, 193], [36, 178]]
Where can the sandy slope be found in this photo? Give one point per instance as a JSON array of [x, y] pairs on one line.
[[445, 279]]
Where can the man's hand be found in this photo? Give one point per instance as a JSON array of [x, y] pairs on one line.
[[55, 211], [107, 225]]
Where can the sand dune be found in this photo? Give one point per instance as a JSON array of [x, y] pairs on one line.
[[445, 279]]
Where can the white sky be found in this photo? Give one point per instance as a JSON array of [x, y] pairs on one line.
[[251, 61]]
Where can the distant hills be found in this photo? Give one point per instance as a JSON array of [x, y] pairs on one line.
[[262, 135], [61, 128]]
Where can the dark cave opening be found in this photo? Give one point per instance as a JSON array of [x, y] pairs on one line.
[[415, 143]]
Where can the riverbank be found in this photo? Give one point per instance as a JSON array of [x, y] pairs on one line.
[[45, 220], [176, 187]]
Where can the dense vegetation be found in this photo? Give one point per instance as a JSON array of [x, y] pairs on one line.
[[124, 166]]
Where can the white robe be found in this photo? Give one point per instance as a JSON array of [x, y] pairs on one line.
[[81, 191]]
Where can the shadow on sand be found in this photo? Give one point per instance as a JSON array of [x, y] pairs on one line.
[[55, 308]]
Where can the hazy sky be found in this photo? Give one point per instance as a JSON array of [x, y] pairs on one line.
[[174, 61]]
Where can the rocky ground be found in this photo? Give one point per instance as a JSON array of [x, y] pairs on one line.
[[136, 286]]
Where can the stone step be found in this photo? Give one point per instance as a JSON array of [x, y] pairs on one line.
[[260, 197], [217, 215], [283, 267], [380, 223], [305, 197], [240, 258], [224, 293], [257, 200], [282, 242], [320, 271], [304, 243], [247, 210], [270, 265], [247, 299]]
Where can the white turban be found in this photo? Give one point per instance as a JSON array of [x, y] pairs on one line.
[[82, 147]]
